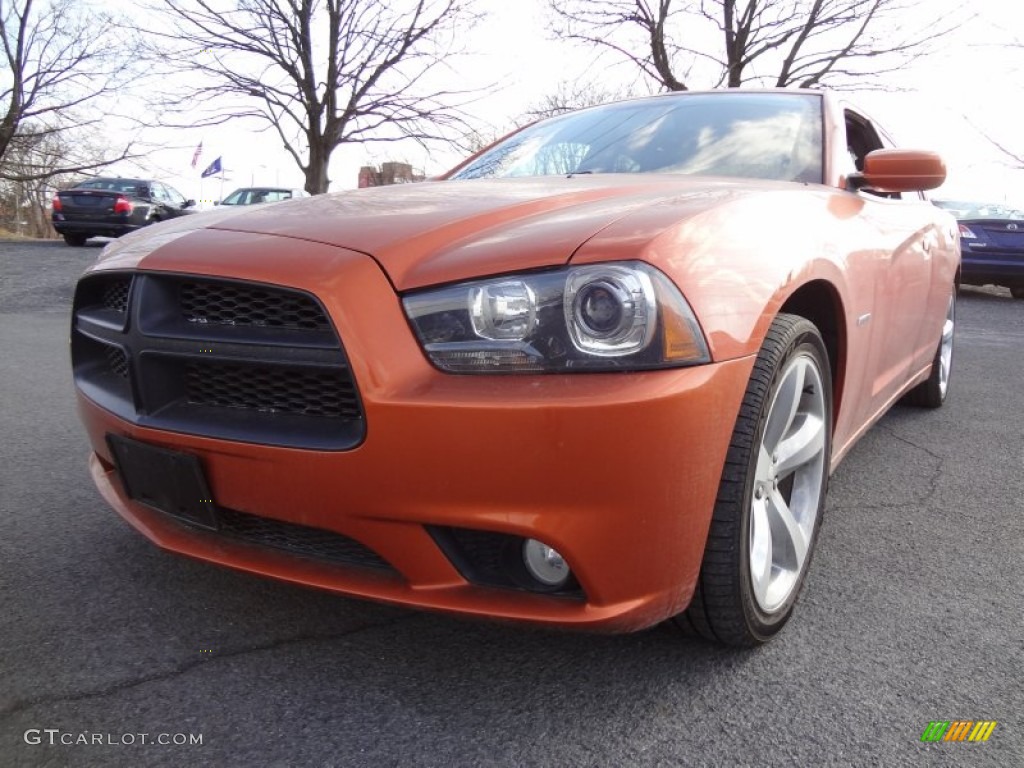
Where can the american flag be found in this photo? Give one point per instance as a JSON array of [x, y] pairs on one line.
[[197, 154]]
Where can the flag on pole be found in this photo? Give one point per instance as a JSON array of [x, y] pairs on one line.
[[212, 169], [197, 154]]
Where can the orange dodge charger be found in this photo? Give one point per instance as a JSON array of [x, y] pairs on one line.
[[596, 376]]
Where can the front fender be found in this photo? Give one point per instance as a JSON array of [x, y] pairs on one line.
[[738, 263]]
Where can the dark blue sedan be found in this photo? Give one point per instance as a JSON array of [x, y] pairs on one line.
[[992, 244]]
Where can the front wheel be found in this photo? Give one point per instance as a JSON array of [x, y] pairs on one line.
[[931, 393], [1017, 292], [767, 514]]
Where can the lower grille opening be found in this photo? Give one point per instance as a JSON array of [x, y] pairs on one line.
[[495, 560], [315, 543]]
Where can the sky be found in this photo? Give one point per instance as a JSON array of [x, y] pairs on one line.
[[946, 103]]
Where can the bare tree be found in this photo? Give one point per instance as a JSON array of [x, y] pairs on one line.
[[781, 43], [570, 95], [567, 96], [1011, 150], [64, 59], [320, 73], [1013, 157], [34, 166]]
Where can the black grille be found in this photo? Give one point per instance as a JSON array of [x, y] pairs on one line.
[[115, 294], [231, 304], [300, 539], [118, 362], [271, 389], [221, 358]]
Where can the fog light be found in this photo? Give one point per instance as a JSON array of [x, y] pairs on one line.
[[545, 564]]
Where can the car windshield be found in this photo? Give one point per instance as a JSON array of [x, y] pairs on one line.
[[981, 211], [251, 196], [238, 197], [763, 136]]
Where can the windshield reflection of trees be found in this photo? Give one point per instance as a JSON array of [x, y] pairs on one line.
[[756, 136]]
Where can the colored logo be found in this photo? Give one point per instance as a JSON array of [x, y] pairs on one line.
[[958, 730]]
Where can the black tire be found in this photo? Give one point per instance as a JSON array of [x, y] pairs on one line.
[[1017, 292], [724, 607], [932, 392], [76, 241]]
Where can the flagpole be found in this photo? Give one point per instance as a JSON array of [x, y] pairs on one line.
[[195, 159]]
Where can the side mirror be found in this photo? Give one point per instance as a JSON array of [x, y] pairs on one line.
[[188, 203], [899, 170], [216, 202]]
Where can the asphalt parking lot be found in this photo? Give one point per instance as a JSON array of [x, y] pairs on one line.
[[912, 613]]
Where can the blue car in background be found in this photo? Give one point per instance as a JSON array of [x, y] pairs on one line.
[[992, 244]]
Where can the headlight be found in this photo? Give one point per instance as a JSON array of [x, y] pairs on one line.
[[602, 317]]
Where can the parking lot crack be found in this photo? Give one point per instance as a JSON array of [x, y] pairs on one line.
[[911, 443], [187, 666], [932, 482]]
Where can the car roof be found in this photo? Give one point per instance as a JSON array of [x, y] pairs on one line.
[[263, 189], [116, 178]]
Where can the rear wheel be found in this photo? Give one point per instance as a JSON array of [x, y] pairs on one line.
[[75, 240], [931, 393], [772, 493]]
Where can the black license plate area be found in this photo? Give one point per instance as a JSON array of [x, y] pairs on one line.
[[168, 481], [89, 201]]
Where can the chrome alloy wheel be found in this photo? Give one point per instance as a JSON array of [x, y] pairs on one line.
[[946, 347], [788, 483]]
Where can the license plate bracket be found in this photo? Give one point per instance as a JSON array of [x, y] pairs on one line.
[[168, 481]]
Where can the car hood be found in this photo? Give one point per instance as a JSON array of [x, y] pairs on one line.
[[436, 232]]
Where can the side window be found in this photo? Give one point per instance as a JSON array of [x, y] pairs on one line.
[[174, 196], [157, 191], [862, 138], [127, 187]]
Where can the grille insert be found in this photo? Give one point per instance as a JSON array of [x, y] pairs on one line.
[[300, 539], [117, 361], [115, 295], [229, 304], [271, 389]]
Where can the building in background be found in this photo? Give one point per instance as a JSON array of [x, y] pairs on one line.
[[389, 173]]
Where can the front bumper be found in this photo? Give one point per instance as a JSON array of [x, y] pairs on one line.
[[619, 472]]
